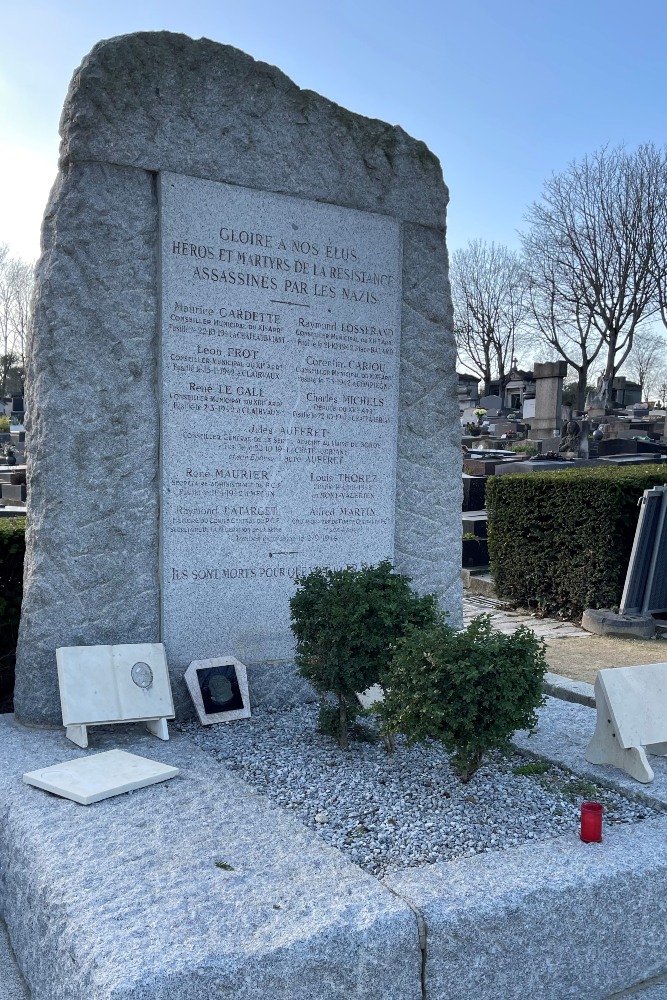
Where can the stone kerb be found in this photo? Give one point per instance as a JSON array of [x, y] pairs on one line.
[[141, 105]]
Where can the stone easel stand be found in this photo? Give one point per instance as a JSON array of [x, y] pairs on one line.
[[631, 707]]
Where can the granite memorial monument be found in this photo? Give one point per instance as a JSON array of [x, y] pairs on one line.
[[261, 276]]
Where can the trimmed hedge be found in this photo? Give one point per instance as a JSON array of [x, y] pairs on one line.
[[12, 551], [561, 541]]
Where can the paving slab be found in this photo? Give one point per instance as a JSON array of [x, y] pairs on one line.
[[123, 899], [507, 620]]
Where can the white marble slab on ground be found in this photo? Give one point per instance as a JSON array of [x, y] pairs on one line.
[[99, 776], [12, 984], [507, 621]]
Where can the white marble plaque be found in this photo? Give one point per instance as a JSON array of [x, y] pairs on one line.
[[91, 779], [280, 361], [109, 684]]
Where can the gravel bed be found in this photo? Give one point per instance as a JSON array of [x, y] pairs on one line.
[[393, 811]]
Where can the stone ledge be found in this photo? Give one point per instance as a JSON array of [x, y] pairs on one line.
[[568, 690], [553, 920], [122, 900]]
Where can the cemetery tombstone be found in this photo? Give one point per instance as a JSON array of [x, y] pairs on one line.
[[261, 276], [548, 398]]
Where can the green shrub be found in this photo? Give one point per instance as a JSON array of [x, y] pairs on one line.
[[4, 424], [345, 622], [561, 541], [524, 448], [468, 689], [12, 551]]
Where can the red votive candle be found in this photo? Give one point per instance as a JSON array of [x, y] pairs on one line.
[[591, 822]]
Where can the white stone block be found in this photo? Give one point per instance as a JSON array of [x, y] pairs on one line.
[[371, 696], [90, 779]]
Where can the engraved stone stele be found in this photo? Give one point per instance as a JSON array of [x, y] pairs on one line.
[[102, 685], [219, 689], [99, 776], [251, 283]]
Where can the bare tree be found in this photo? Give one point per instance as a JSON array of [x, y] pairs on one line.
[[647, 361], [560, 316], [6, 297], [21, 277], [594, 256], [16, 279], [490, 305]]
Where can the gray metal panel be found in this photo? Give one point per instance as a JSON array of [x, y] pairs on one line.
[[641, 557], [655, 597]]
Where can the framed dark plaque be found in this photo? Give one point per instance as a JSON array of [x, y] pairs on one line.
[[219, 689]]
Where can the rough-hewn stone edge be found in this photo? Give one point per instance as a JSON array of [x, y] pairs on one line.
[[122, 900], [429, 487], [12, 983], [554, 920], [90, 573], [130, 93]]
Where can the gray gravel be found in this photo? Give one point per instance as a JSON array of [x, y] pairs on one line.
[[393, 811]]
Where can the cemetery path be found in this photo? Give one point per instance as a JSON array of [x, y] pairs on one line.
[[508, 621], [581, 659], [571, 651]]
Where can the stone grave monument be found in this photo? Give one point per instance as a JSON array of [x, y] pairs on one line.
[[548, 397], [261, 276]]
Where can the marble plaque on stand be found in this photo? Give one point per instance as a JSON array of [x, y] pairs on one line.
[[100, 685], [219, 689]]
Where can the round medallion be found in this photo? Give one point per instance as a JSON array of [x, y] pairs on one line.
[[142, 675]]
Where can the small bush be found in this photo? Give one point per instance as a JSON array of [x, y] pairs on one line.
[[524, 448], [4, 424], [468, 689], [345, 622], [561, 541]]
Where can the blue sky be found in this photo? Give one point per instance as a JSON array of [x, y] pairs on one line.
[[504, 91]]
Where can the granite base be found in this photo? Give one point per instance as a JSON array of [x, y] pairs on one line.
[[124, 900]]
